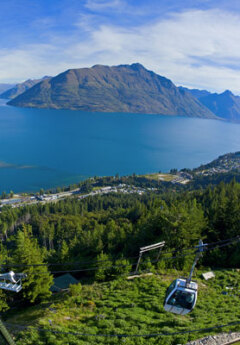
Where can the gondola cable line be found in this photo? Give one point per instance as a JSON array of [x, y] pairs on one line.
[[110, 266], [212, 247], [225, 243], [135, 263], [18, 287], [214, 244]]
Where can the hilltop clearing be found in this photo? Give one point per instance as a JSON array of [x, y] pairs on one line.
[[129, 307]]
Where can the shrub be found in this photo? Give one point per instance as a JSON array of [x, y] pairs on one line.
[[75, 289], [90, 304]]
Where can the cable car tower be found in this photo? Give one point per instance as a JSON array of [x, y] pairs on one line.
[[142, 250], [181, 296], [12, 282]]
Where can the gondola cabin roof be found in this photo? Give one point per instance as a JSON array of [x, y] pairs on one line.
[[181, 282]]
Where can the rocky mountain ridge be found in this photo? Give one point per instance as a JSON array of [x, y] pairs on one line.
[[123, 88], [4, 87], [19, 88], [225, 105]]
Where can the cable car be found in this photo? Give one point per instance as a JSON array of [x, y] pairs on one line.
[[181, 297], [11, 281]]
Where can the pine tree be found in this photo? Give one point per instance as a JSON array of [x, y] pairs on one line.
[[64, 252], [103, 263], [3, 297], [36, 285], [122, 267]]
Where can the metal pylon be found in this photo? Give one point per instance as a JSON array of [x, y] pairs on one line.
[[142, 250], [6, 336], [200, 249]]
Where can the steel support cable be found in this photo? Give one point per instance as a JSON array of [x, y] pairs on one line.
[[152, 262], [90, 261], [67, 263], [111, 266], [230, 241], [149, 335], [227, 241], [125, 265]]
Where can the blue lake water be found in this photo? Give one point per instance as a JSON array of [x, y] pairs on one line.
[[45, 148]]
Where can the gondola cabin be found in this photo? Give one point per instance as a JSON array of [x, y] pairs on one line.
[[11, 281], [181, 297]]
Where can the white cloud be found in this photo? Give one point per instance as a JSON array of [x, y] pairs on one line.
[[32, 62], [194, 48], [99, 5]]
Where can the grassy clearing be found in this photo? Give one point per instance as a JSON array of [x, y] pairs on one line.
[[160, 177], [96, 188], [130, 307]]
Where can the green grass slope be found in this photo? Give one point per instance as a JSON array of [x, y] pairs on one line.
[[130, 307]]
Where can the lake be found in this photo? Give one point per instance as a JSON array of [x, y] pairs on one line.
[[42, 148]]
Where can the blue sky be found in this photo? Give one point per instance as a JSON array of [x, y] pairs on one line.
[[194, 43]]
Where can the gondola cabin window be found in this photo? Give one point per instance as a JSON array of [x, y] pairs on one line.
[[182, 299]]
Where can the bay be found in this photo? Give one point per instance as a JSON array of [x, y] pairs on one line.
[[43, 148]]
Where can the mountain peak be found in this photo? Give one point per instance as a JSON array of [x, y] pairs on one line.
[[225, 105], [137, 66], [124, 88], [97, 66], [227, 93], [195, 92], [21, 88]]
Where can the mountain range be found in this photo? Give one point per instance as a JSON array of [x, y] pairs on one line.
[[195, 92], [225, 105], [4, 87], [20, 88], [123, 88]]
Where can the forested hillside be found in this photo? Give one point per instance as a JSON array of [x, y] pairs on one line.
[[102, 234], [118, 223]]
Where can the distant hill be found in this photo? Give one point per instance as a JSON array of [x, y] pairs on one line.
[[4, 87], [18, 89], [225, 105], [195, 92], [124, 88], [227, 162]]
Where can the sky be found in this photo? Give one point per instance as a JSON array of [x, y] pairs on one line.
[[195, 43]]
